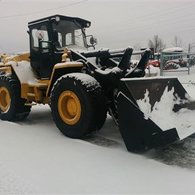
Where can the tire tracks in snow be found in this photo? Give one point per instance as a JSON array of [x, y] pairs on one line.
[[181, 154]]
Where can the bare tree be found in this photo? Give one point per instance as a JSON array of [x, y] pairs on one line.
[[177, 42], [157, 44]]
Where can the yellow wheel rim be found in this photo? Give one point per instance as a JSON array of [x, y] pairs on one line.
[[5, 99], [69, 107]]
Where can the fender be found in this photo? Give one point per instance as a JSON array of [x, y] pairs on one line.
[[61, 69]]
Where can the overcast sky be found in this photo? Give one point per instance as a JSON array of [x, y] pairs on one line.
[[116, 23]]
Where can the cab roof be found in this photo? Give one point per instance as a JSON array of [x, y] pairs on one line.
[[84, 23]]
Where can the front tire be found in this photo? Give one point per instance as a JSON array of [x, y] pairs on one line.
[[77, 105]]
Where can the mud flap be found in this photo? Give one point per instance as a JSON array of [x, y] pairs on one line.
[[138, 131]]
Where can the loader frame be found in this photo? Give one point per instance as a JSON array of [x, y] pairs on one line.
[[39, 90], [80, 93]]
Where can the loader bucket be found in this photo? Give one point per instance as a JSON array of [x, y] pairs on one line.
[[154, 112]]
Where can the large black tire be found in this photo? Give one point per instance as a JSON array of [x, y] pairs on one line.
[[12, 106], [88, 111], [171, 65]]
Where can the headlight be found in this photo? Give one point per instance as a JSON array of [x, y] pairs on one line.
[[57, 18]]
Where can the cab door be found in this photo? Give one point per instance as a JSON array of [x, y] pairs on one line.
[[42, 59]]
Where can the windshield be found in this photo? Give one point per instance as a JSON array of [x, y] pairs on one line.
[[68, 34]]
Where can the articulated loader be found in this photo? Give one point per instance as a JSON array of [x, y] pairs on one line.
[[58, 71]]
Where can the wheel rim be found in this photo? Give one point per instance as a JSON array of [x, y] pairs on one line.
[[69, 107], [5, 99]]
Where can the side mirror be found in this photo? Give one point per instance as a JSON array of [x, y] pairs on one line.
[[92, 41]]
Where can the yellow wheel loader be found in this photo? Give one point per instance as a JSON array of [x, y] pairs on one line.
[[59, 71]]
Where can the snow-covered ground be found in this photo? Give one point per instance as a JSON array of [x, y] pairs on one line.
[[36, 158]]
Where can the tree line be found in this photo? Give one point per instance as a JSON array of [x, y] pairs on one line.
[[158, 44]]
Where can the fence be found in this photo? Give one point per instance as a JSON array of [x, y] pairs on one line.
[[176, 62]]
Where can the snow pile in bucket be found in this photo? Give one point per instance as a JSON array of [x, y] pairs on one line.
[[162, 114]]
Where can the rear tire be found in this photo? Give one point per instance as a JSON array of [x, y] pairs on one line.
[[12, 106], [77, 105], [171, 65]]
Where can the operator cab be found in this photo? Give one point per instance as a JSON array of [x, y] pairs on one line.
[[50, 36]]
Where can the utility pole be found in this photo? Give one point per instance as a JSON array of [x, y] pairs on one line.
[[190, 46]]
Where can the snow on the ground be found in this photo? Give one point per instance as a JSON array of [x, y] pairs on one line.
[[36, 158]]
